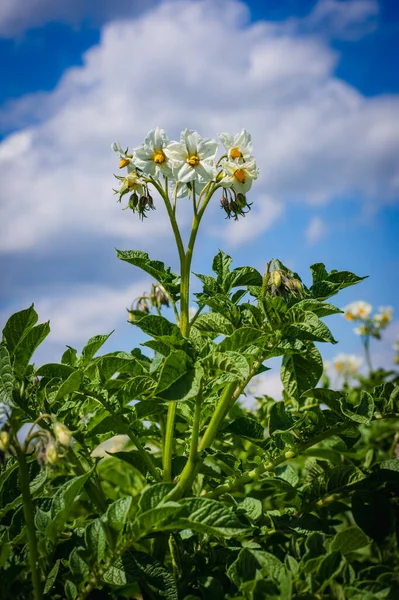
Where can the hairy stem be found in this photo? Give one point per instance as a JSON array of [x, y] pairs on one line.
[[30, 525]]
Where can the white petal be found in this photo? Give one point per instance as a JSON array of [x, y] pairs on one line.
[[176, 152], [186, 173], [142, 153], [207, 148], [205, 171], [190, 139]]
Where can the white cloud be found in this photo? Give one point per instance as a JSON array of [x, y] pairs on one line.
[[347, 20], [316, 230], [266, 211], [199, 65], [17, 16], [87, 311]]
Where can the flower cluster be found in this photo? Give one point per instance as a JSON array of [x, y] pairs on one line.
[[156, 298], [190, 166], [346, 365], [283, 283], [369, 325]]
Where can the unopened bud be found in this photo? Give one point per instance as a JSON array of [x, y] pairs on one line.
[[62, 433], [51, 453], [275, 278], [130, 316], [241, 200], [4, 441], [290, 454], [133, 201]]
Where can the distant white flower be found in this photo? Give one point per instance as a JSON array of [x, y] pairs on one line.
[[347, 365], [396, 345], [362, 330], [192, 311], [357, 310], [239, 176], [150, 156], [125, 158], [238, 147], [384, 317], [193, 158]]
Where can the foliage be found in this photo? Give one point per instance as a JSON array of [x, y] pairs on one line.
[[296, 499]]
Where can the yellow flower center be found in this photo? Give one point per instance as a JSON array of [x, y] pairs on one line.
[[338, 366], [239, 174], [159, 157], [361, 311], [193, 160], [349, 317], [235, 153], [123, 162]]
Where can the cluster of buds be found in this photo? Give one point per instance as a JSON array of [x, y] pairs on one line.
[[156, 298], [369, 325], [235, 205], [281, 283], [188, 166], [50, 449]]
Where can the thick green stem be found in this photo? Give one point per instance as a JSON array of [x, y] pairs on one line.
[[30, 525], [255, 473], [168, 443], [221, 411]]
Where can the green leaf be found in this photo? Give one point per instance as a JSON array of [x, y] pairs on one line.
[[280, 419], [221, 266], [233, 363], [137, 566], [350, 539], [246, 427], [153, 495], [330, 567], [308, 326], [155, 268], [319, 272], [132, 458], [362, 413], [24, 350], [243, 276], [250, 561], [252, 507], [175, 366], [69, 357], [51, 577], [319, 308], [154, 519], [18, 325], [6, 377], [301, 372], [96, 540], [185, 388], [93, 345], [158, 326], [213, 323], [242, 338], [117, 512], [137, 387], [326, 284], [55, 370], [72, 384], [70, 590], [62, 503], [78, 565], [210, 517]]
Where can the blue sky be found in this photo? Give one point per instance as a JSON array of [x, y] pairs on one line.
[[314, 81]]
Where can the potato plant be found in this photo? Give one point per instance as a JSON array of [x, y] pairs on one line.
[[291, 499]]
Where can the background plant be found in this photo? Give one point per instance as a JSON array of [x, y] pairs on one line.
[[296, 499]]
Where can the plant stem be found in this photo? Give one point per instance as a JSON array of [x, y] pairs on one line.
[[366, 344], [255, 473], [30, 524]]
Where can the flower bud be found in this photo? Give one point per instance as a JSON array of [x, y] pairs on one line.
[[241, 200], [275, 278], [51, 453], [62, 433], [4, 441]]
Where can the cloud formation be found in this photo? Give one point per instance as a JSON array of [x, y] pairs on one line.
[[315, 230]]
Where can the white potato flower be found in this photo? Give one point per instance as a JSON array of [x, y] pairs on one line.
[[125, 158], [239, 176], [357, 310], [362, 330], [238, 147], [384, 317], [347, 365], [131, 183], [150, 156], [193, 158]]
